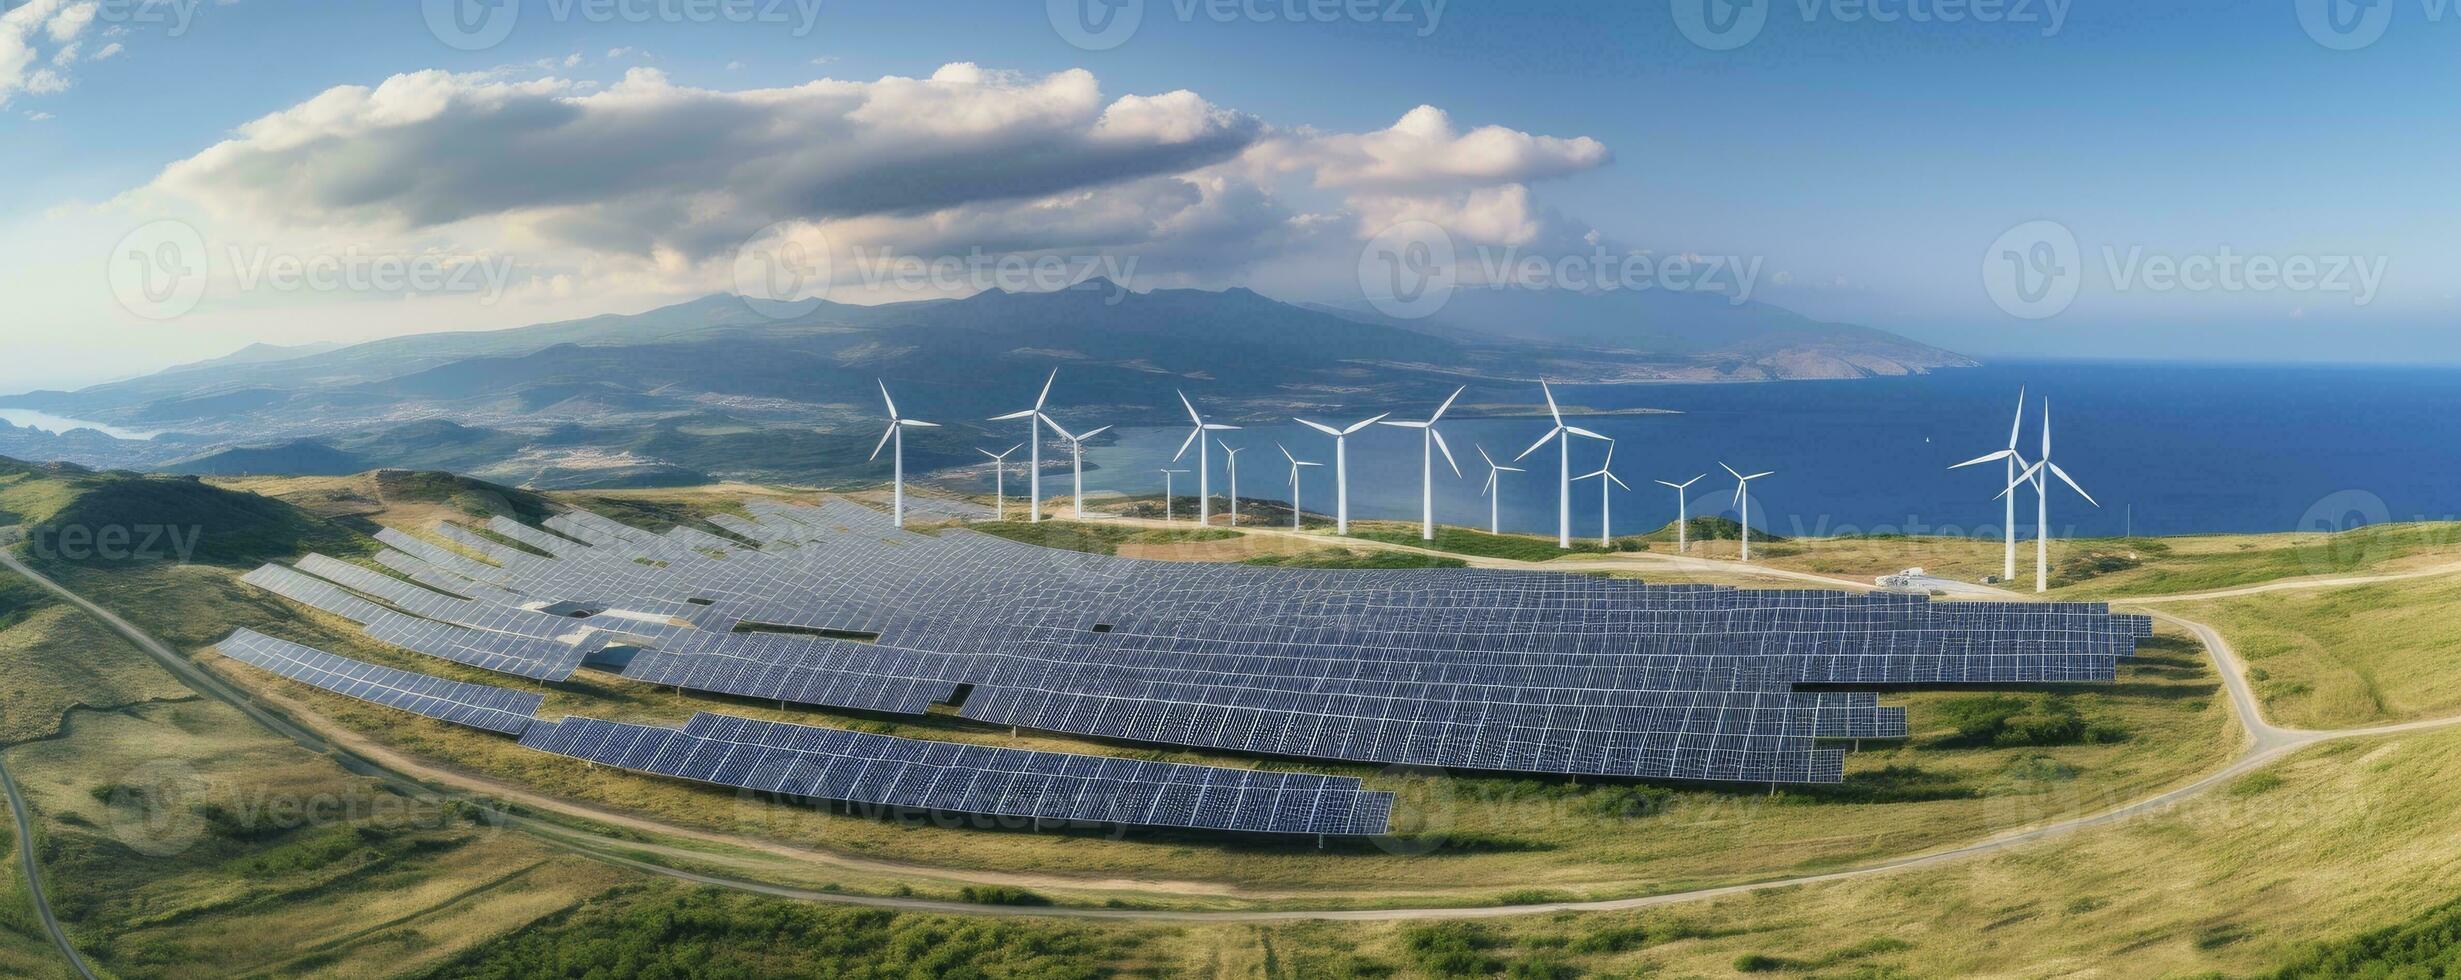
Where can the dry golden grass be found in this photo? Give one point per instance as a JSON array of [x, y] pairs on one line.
[[59, 659]]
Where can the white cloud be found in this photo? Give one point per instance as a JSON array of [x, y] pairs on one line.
[[39, 116], [1422, 151], [23, 30], [734, 66], [66, 56], [109, 51]]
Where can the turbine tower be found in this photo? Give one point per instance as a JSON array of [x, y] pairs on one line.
[[897, 433], [1563, 489], [1341, 467], [1033, 435], [1295, 463], [1683, 518], [1166, 492], [1431, 440], [1494, 490], [1743, 504], [1204, 474], [1232, 456], [1605, 476], [1076, 464], [999, 480], [2042, 501], [2008, 560]]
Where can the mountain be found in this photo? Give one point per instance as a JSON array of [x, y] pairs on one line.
[[713, 389], [259, 354]]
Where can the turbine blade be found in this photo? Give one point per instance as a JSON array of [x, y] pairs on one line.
[[1760, 474], [1551, 409], [1448, 403], [1218, 427], [1512, 469], [1489, 485], [1578, 431], [1405, 425], [1094, 433], [2002, 454], [1610, 457], [1011, 415], [1294, 460], [1004, 453], [1663, 483], [1619, 481], [2021, 480], [884, 439], [918, 425], [2063, 478], [1482, 454], [1730, 471], [1055, 427], [1183, 446], [885, 399], [1542, 441], [1694, 480], [986, 452], [2018, 423], [1319, 426], [1448, 450], [1365, 424], [1046, 395], [1183, 401]]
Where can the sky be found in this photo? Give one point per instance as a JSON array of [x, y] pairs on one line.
[[2269, 181]]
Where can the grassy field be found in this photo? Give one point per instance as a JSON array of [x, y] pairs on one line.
[[2338, 658], [58, 659]]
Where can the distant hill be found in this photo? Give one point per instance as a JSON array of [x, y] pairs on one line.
[[77, 516], [712, 389]]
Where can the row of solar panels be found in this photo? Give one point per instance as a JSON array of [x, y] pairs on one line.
[[855, 767], [1311, 682]]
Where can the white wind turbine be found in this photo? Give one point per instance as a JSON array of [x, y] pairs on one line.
[[1341, 467], [1232, 455], [2042, 501], [1563, 491], [1743, 504], [1494, 490], [1295, 463], [1076, 464], [1429, 441], [897, 433], [1683, 517], [999, 480], [1204, 472], [2008, 560], [1166, 492], [1033, 435], [1605, 476]]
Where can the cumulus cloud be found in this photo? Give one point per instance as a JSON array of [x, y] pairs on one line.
[[649, 180]]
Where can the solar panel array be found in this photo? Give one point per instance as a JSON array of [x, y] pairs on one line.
[[1487, 669], [881, 770], [494, 709]]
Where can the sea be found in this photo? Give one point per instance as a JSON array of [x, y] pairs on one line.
[[2164, 449]]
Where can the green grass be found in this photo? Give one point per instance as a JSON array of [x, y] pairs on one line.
[[1345, 558], [60, 658], [2350, 656], [1465, 541], [1098, 539], [131, 520]]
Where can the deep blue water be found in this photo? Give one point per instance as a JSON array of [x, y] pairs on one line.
[[2165, 448]]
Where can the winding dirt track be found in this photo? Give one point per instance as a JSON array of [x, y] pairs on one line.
[[2267, 743]]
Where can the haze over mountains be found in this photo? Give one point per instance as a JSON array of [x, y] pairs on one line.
[[715, 388]]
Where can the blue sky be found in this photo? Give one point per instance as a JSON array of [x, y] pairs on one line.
[[1870, 165]]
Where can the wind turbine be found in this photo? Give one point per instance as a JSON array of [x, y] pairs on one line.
[[1341, 467], [1033, 436], [999, 480], [1233, 456], [1076, 465], [1563, 492], [2042, 501], [1166, 492], [1743, 504], [1494, 490], [1683, 520], [1295, 463], [897, 433], [1606, 536], [2008, 561], [1429, 442], [1204, 474]]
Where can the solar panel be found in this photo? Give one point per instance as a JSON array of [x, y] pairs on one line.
[[494, 709], [916, 774]]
